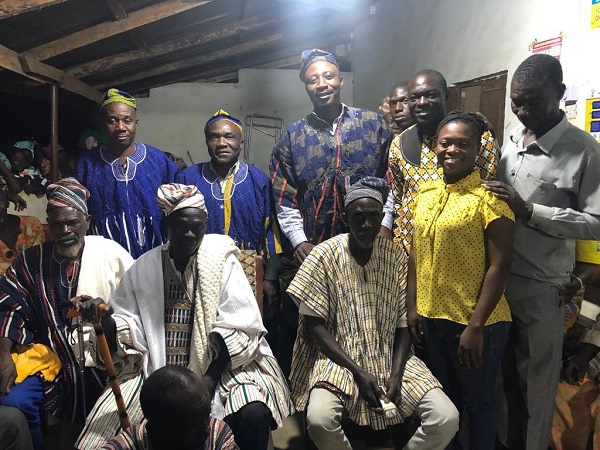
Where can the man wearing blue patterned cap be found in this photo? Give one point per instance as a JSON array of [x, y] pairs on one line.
[[237, 194], [123, 177], [320, 156], [353, 336]]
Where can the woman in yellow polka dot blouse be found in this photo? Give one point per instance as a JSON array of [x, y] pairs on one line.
[[459, 262]]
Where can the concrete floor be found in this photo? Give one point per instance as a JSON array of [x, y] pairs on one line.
[[291, 435]]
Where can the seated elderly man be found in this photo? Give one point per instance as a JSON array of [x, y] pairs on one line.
[[189, 303], [39, 351], [353, 338]]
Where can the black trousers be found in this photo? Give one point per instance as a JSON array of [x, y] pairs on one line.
[[251, 426], [14, 431]]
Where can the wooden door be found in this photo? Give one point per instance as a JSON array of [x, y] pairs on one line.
[[484, 94]]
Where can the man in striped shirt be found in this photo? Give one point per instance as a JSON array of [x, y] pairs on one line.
[[353, 337], [188, 303]]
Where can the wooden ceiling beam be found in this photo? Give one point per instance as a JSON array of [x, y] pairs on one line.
[[45, 74], [9, 60], [117, 9], [115, 61], [206, 74], [9, 8], [206, 58], [120, 14], [105, 30]]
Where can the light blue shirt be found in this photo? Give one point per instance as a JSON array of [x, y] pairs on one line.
[[559, 174]]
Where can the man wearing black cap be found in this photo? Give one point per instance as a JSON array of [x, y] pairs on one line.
[[353, 337], [237, 194]]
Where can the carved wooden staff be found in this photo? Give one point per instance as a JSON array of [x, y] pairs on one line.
[[108, 362]]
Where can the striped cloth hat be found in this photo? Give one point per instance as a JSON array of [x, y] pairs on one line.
[[116, 95], [312, 56], [222, 115], [368, 187], [174, 196], [68, 192]]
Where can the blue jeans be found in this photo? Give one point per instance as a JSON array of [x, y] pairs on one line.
[[28, 397], [471, 390]]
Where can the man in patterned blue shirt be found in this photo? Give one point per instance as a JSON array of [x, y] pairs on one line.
[[314, 163]]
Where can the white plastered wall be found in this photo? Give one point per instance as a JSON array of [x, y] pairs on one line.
[[172, 118], [466, 39]]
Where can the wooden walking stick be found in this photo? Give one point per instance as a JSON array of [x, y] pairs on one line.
[[108, 362]]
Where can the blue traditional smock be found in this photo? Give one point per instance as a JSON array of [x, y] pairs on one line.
[[314, 164], [239, 205], [123, 203]]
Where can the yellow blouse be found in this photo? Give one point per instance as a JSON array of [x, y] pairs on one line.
[[587, 251], [449, 248]]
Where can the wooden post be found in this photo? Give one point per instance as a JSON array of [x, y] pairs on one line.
[[54, 130]]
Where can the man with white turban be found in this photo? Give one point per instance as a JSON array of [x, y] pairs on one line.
[[189, 303]]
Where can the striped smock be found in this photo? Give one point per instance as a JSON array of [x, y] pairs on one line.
[[178, 310], [362, 306]]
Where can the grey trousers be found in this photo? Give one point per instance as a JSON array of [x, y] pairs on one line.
[[439, 421], [531, 366], [14, 431]]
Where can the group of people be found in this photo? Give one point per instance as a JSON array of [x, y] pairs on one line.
[[422, 272]]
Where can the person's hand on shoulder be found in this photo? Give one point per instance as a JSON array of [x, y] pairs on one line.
[[509, 194], [385, 232], [302, 250]]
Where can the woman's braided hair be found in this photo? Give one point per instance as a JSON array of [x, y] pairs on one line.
[[473, 119]]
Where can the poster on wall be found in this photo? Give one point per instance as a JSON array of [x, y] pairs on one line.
[[592, 117], [595, 14], [550, 47]]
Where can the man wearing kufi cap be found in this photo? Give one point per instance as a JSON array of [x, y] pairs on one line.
[[318, 158], [189, 303], [238, 196], [353, 339], [122, 177], [321, 155], [39, 366]]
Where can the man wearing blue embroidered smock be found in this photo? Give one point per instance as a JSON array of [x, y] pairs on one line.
[[123, 177], [237, 194], [548, 175]]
